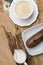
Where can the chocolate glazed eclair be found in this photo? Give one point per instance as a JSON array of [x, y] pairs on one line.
[[35, 39]]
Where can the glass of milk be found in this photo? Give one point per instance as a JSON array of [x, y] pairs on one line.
[[20, 56]]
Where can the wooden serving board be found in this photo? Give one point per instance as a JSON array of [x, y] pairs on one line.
[[16, 32]]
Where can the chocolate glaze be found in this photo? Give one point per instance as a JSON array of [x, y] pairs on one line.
[[35, 39]]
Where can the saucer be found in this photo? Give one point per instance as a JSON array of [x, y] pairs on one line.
[[38, 49], [24, 22]]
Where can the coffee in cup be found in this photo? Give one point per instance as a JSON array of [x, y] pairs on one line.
[[23, 9]]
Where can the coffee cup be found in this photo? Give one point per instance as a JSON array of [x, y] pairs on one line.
[[23, 9], [20, 56]]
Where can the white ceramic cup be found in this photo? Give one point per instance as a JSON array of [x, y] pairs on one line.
[[20, 56], [31, 7]]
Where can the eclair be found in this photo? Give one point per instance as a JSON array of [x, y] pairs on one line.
[[35, 39]]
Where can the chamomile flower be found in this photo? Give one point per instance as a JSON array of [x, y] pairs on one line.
[[6, 5]]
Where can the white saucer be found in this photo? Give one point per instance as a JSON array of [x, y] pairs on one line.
[[27, 34], [25, 22]]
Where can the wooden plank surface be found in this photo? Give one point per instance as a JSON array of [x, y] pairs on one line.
[[16, 30], [6, 57]]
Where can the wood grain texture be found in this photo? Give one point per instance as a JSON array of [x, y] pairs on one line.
[[6, 57], [16, 30]]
